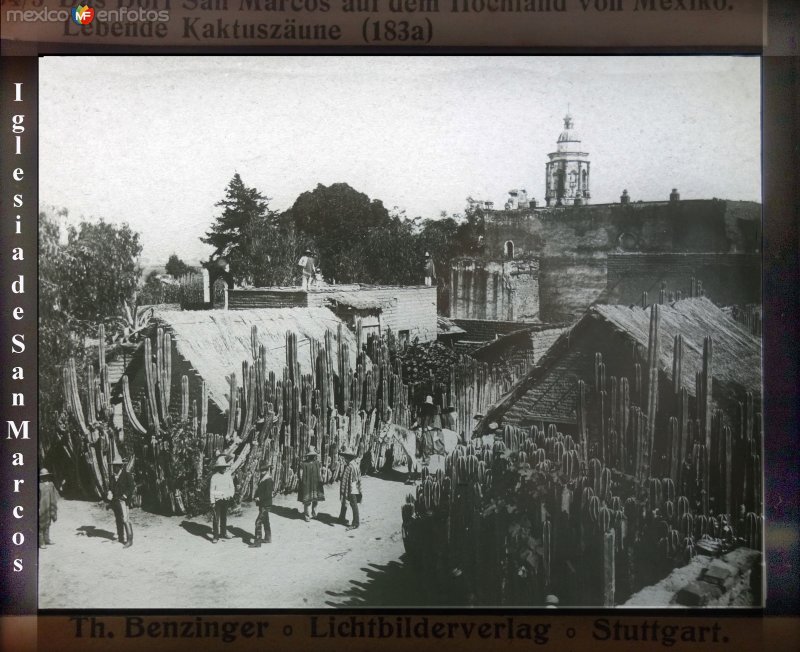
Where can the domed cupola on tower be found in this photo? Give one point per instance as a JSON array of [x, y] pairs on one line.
[[567, 171]]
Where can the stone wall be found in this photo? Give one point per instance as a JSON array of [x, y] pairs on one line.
[[610, 253], [413, 309], [569, 285], [707, 225], [727, 278], [504, 290], [732, 580]]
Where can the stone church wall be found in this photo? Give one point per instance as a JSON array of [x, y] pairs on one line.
[[727, 278], [496, 290]]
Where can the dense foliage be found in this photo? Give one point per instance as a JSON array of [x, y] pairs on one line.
[[427, 360], [87, 276], [353, 237]]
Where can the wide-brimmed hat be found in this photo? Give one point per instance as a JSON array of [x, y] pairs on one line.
[[551, 600], [427, 255], [222, 462], [346, 451], [307, 251], [43, 472], [429, 400], [494, 426], [478, 417], [311, 451]]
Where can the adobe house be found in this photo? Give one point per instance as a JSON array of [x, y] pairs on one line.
[[549, 392], [209, 345], [409, 311]]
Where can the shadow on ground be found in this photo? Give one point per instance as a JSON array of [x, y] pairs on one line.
[[244, 535], [393, 475], [287, 512], [395, 584], [92, 531], [197, 529]]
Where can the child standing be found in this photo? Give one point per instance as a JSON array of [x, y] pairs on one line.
[[48, 507], [264, 501]]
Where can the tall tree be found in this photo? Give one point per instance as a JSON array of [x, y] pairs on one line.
[[244, 211], [338, 222]]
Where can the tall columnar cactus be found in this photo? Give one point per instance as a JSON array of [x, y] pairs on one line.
[[677, 365], [609, 567], [624, 416], [727, 459], [581, 413], [685, 441], [653, 351], [674, 447]]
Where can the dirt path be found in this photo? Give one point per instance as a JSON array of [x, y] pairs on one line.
[[173, 564]]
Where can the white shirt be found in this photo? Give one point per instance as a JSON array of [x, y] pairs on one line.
[[221, 486]]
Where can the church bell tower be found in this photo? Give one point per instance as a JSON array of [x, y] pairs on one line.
[[567, 171]]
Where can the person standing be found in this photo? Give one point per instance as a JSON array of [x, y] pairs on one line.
[[48, 507], [263, 497], [350, 488], [119, 493], [427, 419], [307, 266], [430, 270], [221, 493], [311, 490]]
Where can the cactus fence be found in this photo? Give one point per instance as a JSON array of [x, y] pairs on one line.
[[595, 517], [270, 417]]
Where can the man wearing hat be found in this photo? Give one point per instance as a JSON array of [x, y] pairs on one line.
[[350, 487], [263, 498], [48, 507], [221, 493], [119, 493], [430, 270], [310, 489], [307, 265]]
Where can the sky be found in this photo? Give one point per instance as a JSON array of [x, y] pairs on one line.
[[154, 141]]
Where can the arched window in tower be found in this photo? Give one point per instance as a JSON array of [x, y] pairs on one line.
[[509, 249]]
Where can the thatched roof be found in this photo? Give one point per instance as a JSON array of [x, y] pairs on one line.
[[736, 353], [548, 391], [215, 342]]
